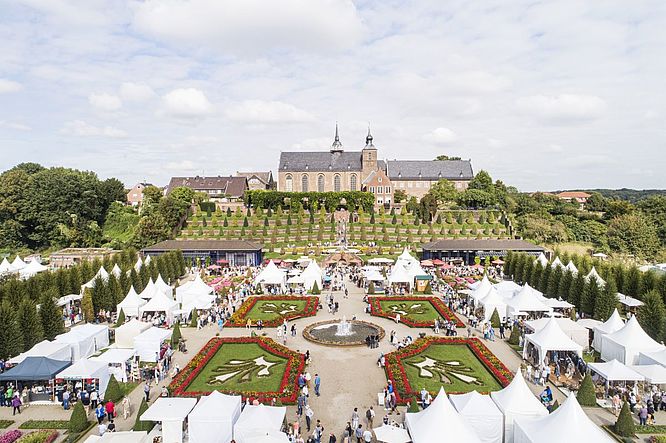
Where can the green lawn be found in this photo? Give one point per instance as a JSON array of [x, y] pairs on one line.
[[235, 362], [418, 311], [448, 361], [268, 310]]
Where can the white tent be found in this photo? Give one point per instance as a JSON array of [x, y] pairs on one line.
[[138, 264], [572, 329], [654, 374], [161, 285], [85, 340], [120, 437], [149, 291], [18, 264], [191, 302], [515, 401], [405, 259], [131, 303], [571, 268], [557, 263], [160, 303], [542, 259], [615, 371], [491, 302], [414, 270], [213, 418], [613, 324], [628, 301], [5, 267], [116, 359], [481, 412], [595, 275], [589, 323], [626, 344], [148, 343], [259, 418], [526, 300], [426, 426], [33, 268], [568, 422], [551, 338], [651, 358], [374, 275], [125, 333], [399, 275], [271, 275], [116, 271], [196, 287], [392, 434], [101, 273], [86, 369], [171, 412], [481, 289], [147, 260], [311, 275], [50, 349], [380, 261], [507, 286]]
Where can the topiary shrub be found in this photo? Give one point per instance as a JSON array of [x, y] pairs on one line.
[[121, 318], [175, 336], [315, 289], [113, 391], [371, 288], [413, 406], [427, 289], [495, 319], [142, 425], [195, 317], [78, 421], [586, 395], [624, 426], [514, 338]]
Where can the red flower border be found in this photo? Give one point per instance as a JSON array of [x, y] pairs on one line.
[[395, 371], [440, 307], [287, 392], [239, 319]]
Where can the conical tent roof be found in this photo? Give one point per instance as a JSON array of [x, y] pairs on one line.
[[551, 338], [138, 264], [482, 289], [131, 302], [405, 258], [160, 302], [518, 399], [5, 266], [33, 268], [270, 275], [149, 291], [527, 300], [414, 269], [312, 274], [215, 405], [399, 275], [613, 324], [571, 268], [147, 260], [557, 263], [481, 413], [426, 426], [542, 259], [493, 300], [161, 285], [18, 264], [594, 274], [557, 426], [116, 270], [615, 371], [475, 402], [632, 334]]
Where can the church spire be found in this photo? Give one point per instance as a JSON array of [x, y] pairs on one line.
[[337, 144], [368, 139]]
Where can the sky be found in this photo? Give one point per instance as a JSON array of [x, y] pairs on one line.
[[544, 95]]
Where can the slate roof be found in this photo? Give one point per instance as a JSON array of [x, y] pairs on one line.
[[204, 245], [430, 169], [481, 245], [320, 161], [231, 186], [264, 177]]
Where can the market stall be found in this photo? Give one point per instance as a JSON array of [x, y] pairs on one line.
[[548, 339], [126, 333], [260, 418], [171, 412], [118, 362], [481, 412], [626, 344], [50, 349], [131, 304], [214, 417], [87, 374], [85, 339], [38, 375], [151, 343]]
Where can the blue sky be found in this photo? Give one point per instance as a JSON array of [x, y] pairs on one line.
[[544, 95]]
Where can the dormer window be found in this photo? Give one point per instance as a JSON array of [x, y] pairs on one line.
[[307, 167], [330, 167]]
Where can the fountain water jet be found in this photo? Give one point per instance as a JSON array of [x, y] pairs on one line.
[[344, 328]]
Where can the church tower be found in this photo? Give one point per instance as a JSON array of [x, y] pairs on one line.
[[337, 144], [369, 159]]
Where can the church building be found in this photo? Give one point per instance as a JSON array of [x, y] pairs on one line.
[[340, 170]]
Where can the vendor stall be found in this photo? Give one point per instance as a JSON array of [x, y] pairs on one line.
[[38, 375], [260, 418], [150, 343], [85, 340], [547, 339], [214, 417], [160, 306], [171, 412], [126, 333], [87, 374], [50, 349], [626, 344], [131, 304], [118, 362]]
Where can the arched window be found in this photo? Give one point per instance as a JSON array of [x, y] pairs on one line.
[[289, 183], [320, 183], [336, 183], [304, 183], [352, 183]]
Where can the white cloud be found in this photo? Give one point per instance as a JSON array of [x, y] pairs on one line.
[[136, 92], [105, 102], [251, 24], [309, 144], [183, 165], [563, 108], [553, 148], [267, 112], [9, 86], [14, 125], [186, 103], [79, 128], [441, 136]]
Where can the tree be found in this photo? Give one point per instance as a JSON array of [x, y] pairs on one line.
[[652, 314], [113, 391], [545, 278], [371, 288], [152, 195], [625, 426], [514, 338], [495, 319], [194, 319], [552, 289], [633, 234], [482, 181], [428, 289], [11, 335], [576, 290], [590, 295], [175, 336], [30, 325], [399, 196], [475, 198], [50, 316], [565, 285], [78, 421], [142, 425], [607, 301], [315, 289], [444, 192], [121, 318], [586, 395], [632, 282]]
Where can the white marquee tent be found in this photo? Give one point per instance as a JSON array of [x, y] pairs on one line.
[[414, 270], [542, 259], [405, 259], [399, 275], [171, 412], [493, 300], [654, 374], [557, 263], [148, 343], [85, 340], [613, 324], [120, 437], [194, 287], [571, 268], [312, 274], [481, 289], [426, 426], [271, 275], [551, 338], [162, 286], [149, 291], [595, 275], [260, 418], [50, 349], [626, 344], [33, 268], [85, 369], [138, 264], [572, 329], [5, 267], [480, 412], [507, 287], [213, 417], [652, 358], [116, 360], [125, 333], [526, 300], [160, 303], [558, 426], [18, 264], [516, 401], [615, 371], [116, 271], [131, 304], [101, 273]]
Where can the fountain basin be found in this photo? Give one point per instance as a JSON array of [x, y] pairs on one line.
[[326, 332]]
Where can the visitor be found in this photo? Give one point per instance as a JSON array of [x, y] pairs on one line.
[[318, 432], [642, 415], [65, 400], [127, 407], [359, 433], [101, 428], [146, 391], [370, 416], [100, 413], [367, 436], [309, 413], [110, 408], [355, 418], [16, 404], [317, 384]]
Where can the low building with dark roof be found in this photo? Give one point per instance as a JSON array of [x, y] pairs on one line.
[[468, 249], [232, 252], [258, 180], [218, 188]]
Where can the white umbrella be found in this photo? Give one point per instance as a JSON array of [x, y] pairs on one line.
[[392, 434]]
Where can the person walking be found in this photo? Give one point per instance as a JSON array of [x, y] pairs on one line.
[[110, 408], [65, 400], [355, 418], [94, 397], [317, 384], [16, 404], [359, 433], [319, 432], [127, 407], [100, 413], [309, 413], [370, 416], [367, 436], [146, 391]]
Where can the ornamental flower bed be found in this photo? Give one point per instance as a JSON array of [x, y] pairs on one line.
[[287, 392], [10, 436], [439, 306], [395, 370], [239, 319]]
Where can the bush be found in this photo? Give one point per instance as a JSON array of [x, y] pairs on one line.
[[371, 288], [39, 437], [142, 425], [315, 289], [113, 391], [413, 406], [175, 336], [624, 426], [514, 338], [195, 317], [10, 436], [121, 318], [79, 420], [495, 319], [586, 395], [427, 289]]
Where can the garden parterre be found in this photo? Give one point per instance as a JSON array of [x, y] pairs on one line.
[[415, 311], [272, 310]]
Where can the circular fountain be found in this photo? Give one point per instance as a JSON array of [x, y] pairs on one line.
[[341, 332]]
